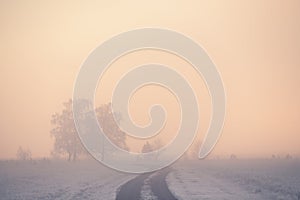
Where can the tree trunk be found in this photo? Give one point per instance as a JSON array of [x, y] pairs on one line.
[[74, 156], [70, 155], [102, 148]]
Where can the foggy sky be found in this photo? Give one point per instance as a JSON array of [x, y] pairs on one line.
[[254, 44]]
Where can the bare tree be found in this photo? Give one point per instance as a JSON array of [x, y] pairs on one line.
[[64, 133], [109, 126], [66, 137], [23, 154]]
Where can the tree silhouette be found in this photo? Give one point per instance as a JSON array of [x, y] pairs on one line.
[[66, 137], [153, 147], [64, 133], [109, 126], [23, 154], [147, 148]]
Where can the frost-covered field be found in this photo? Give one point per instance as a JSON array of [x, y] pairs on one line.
[[58, 180], [207, 179], [236, 179]]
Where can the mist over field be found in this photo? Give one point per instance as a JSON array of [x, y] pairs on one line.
[[46, 154], [260, 179]]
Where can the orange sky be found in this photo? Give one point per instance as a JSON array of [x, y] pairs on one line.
[[255, 45]]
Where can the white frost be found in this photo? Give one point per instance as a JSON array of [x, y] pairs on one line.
[[236, 179]]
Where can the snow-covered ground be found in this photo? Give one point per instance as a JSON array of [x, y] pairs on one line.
[[236, 179], [59, 180], [146, 192], [206, 179]]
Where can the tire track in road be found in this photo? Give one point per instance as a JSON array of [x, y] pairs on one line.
[[159, 186], [131, 190]]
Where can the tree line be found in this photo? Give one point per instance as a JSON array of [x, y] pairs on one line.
[[66, 139]]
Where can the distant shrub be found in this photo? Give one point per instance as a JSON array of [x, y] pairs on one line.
[[288, 156]]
